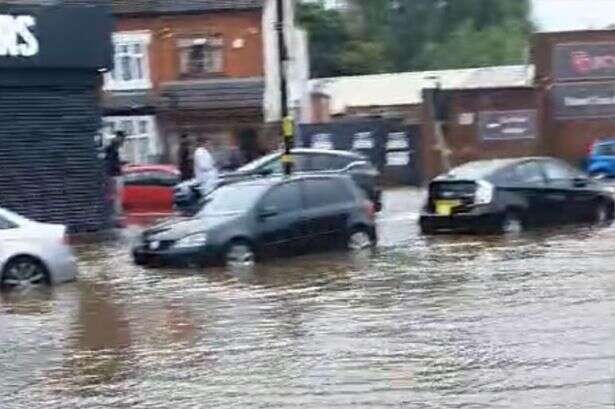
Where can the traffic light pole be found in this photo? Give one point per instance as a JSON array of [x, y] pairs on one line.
[[287, 122]]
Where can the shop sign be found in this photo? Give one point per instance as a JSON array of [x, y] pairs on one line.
[[591, 100], [502, 125], [18, 37], [35, 36], [579, 61]]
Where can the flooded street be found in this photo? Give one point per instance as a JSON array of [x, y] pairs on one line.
[[444, 322]]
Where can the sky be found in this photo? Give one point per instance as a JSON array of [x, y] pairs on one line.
[[561, 15]]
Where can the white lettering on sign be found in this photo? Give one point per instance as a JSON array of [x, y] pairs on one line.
[[17, 37]]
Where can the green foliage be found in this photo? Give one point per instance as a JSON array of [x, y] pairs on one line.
[[403, 35]]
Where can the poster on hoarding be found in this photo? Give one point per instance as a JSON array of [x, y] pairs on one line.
[[322, 141], [584, 61], [501, 125], [363, 140], [397, 140], [398, 158], [589, 100]]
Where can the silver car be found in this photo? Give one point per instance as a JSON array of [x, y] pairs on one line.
[[33, 253]]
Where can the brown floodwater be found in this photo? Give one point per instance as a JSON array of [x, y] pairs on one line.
[[445, 322]]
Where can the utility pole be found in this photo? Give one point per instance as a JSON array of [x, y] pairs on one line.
[[287, 121], [438, 118]]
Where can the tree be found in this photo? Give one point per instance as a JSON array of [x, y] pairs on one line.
[[404, 35]]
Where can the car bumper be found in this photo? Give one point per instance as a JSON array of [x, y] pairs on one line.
[[63, 268], [174, 257], [460, 223]]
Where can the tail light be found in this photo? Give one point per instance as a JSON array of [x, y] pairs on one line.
[[370, 209]]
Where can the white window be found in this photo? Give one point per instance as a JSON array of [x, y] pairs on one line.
[[131, 62], [141, 146]]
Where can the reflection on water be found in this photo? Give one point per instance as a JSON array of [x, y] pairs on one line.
[[422, 322]]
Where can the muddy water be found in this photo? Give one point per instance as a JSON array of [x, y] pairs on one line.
[[448, 322]]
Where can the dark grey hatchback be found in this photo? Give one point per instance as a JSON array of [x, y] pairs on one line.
[[276, 216], [509, 195]]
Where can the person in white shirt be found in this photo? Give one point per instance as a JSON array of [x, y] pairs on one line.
[[205, 170]]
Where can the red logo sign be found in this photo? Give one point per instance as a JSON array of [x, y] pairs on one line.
[[583, 63]]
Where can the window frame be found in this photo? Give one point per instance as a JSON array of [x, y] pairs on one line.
[[129, 38], [151, 135], [183, 47]]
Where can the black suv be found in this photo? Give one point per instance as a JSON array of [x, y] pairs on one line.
[[313, 161], [275, 216], [509, 195]]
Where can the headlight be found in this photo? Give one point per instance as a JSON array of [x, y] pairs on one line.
[[194, 240], [484, 192]]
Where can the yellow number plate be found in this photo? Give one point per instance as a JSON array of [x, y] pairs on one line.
[[445, 207]]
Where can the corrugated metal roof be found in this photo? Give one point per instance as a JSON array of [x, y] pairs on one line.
[[406, 88], [243, 93], [182, 6]]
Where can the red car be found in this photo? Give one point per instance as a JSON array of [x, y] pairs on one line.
[[149, 188]]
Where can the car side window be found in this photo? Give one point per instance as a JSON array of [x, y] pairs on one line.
[[558, 172], [528, 173], [325, 192], [302, 162], [607, 149], [5, 224], [274, 167], [282, 199], [324, 162]]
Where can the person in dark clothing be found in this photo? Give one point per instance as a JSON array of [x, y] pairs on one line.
[[113, 164], [112, 155], [186, 166]]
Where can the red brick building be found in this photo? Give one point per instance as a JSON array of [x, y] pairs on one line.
[[199, 68]]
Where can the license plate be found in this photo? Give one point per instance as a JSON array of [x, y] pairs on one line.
[[445, 207]]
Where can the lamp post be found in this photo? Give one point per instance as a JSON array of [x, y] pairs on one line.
[[287, 121], [437, 108]]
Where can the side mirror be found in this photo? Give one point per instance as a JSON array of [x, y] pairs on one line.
[[268, 211], [581, 181]]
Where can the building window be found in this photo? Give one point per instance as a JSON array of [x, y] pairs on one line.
[[201, 56], [141, 146], [131, 62]]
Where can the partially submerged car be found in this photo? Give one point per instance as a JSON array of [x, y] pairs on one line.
[[306, 161], [33, 253], [510, 195], [262, 218]]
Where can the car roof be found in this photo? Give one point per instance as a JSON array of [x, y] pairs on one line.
[[150, 168], [275, 180], [486, 167], [348, 154]]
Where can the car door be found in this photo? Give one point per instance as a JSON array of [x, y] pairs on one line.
[[574, 187], [327, 210], [279, 217], [524, 184]]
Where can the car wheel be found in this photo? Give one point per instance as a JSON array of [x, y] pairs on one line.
[[359, 239], [24, 272], [602, 214], [511, 223], [239, 253]]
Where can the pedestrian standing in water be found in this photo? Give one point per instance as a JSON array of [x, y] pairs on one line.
[[205, 170], [186, 167], [114, 169]]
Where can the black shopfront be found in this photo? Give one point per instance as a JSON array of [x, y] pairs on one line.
[[51, 59]]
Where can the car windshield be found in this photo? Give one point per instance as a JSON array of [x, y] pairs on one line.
[[605, 149], [254, 165], [232, 199]]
